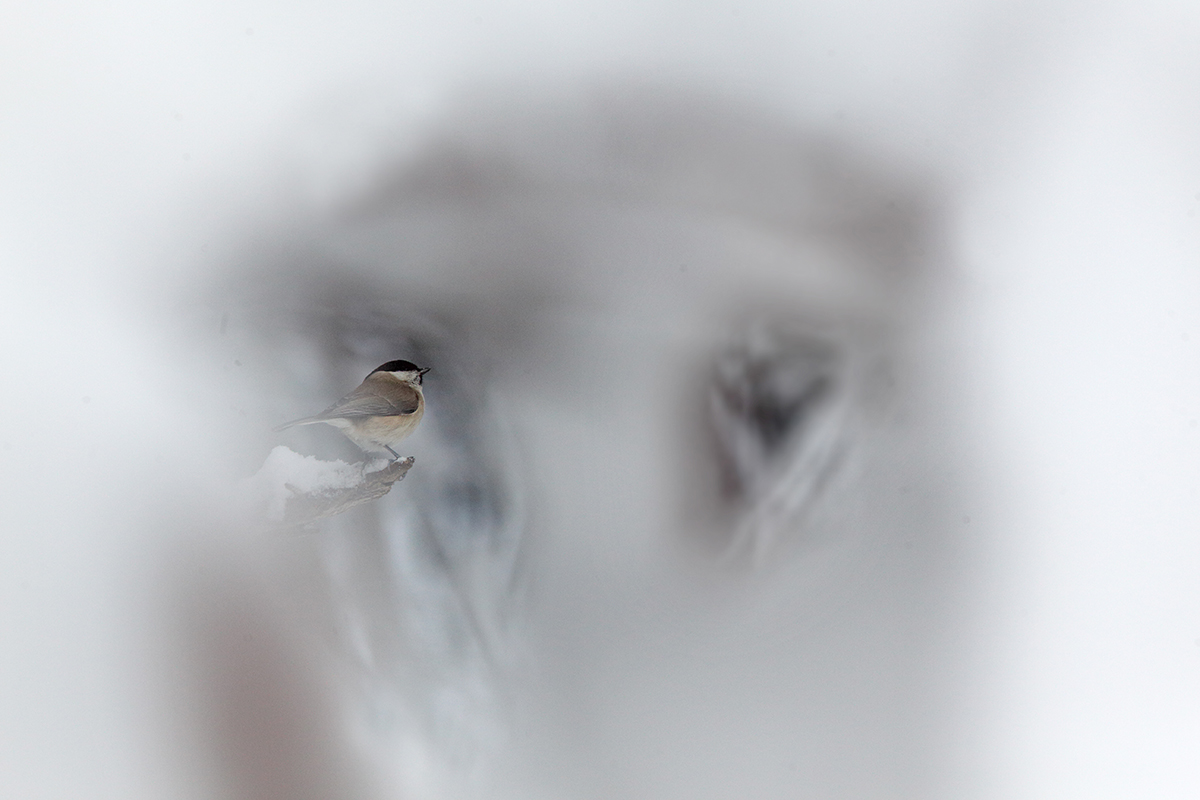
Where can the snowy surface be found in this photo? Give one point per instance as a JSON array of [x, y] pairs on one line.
[[286, 473]]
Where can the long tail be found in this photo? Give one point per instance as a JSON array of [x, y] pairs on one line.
[[295, 422]]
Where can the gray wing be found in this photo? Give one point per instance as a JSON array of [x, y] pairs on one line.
[[366, 402]]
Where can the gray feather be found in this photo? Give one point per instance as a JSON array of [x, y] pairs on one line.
[[365, 401]]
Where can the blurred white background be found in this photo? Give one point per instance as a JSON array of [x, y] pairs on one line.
[[140, 142]]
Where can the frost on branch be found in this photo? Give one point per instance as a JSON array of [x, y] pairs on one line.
[[292, 489]]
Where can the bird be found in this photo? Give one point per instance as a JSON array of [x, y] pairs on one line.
[[381, 412]]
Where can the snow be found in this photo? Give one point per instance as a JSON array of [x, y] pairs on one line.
[[286, 473]]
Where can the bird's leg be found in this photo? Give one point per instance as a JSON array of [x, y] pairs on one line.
[[395, 455]]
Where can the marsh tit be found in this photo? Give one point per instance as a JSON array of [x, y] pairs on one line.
[[382, 411]]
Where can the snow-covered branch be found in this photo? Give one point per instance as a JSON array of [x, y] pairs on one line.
[[291, 490]]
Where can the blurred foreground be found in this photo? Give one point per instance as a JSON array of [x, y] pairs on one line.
[[765, 456]]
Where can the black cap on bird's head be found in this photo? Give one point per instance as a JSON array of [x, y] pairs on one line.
[[400, 365]]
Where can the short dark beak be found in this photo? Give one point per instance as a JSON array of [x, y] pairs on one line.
[[423, 371]]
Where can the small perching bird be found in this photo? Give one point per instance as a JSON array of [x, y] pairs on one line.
[[381, 412]]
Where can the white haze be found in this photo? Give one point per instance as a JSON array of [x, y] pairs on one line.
[[991, 595]]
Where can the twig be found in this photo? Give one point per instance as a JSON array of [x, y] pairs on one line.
[[306, 508]]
